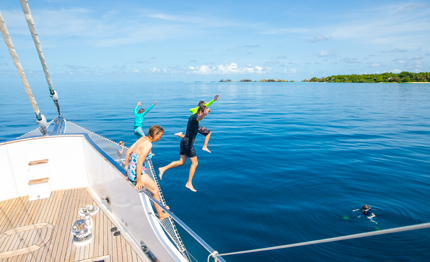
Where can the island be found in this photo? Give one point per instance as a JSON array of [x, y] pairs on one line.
[[403, 77]]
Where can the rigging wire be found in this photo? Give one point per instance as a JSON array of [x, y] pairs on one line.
[[41, 120], [32, 27]]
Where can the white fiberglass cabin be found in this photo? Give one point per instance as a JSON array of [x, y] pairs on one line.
[[52, 187]]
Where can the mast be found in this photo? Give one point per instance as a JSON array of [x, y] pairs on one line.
[[32, 27], [41, 120]]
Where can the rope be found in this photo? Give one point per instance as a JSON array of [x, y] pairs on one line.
[[33, 31], [333, 239], [40, 119], [214, 255]]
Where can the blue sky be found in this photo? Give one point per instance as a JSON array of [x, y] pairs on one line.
[[212, 40]]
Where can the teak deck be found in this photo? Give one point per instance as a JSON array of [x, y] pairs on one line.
[[42, 229]]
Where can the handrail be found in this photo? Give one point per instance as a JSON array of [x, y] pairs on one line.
[[333, 239], [182, 224]]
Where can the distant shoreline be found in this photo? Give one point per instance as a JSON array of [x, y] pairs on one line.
[[402, 77]]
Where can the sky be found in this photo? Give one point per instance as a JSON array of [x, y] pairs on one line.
[[212, 40]]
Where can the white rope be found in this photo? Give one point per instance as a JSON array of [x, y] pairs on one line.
[[33, 31], [214, 255], [333, 239], [21, 73]]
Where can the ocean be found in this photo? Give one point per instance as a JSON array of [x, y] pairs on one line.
[[289, 161]]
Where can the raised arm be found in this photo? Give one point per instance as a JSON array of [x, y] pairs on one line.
[[142, 157], [135, 109], [213, 100], [149, 108]]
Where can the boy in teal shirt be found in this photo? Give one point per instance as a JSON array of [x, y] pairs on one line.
[[202, 130]]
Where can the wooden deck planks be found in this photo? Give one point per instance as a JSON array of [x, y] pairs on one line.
[[67, 237], [26, 234], [38, 211], [63, 227], [10, 223], [78, 250], [50, 213], [60, 210], [69, 243]]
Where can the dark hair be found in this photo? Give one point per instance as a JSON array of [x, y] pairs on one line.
[[155, 130], [202, 103], [201, 108], [365, 207], [141, 111]]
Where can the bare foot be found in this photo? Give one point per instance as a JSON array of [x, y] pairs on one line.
[[167, 207], [163, 216], [190, 187], [179, 134], [206, 149], [160, 173]]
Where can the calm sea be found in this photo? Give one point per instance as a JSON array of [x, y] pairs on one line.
[[289, 161]]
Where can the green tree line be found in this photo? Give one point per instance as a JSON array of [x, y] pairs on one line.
[[402, 77]]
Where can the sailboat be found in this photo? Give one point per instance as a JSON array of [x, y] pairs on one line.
[[64, 196]]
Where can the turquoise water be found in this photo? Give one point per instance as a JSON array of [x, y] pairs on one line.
[[289, 161]]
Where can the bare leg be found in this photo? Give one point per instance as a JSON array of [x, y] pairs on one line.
[[180, 162], [150, 185], [194, 164], [179, 134], [205, 145]]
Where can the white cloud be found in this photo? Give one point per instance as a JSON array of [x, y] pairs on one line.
[[318, 38], [396, 50], [290, 71], [410, 63], [350, 61], [135, 71], [396, 71], [231, 68], [324, 53], [156, 70], [405, 25], [282, 31]]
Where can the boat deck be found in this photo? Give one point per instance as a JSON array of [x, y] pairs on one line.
[[40, 231]]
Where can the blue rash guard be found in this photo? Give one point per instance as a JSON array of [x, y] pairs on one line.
[[138, 118], [138, 121]]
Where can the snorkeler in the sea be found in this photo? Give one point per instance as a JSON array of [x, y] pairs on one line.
[[187, 149], [138, 119], [202, 130], [365, 210]]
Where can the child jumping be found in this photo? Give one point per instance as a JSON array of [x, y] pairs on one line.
[[138, 119], [202, 130]]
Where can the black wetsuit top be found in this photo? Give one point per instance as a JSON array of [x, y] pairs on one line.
[[192, 128], [367, 213]]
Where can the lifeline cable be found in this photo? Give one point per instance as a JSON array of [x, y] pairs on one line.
[[333, 239]]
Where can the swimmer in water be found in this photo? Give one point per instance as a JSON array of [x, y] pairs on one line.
[[365, 210]]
